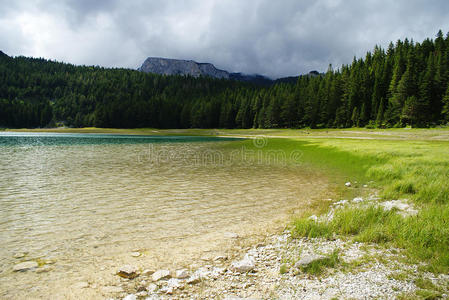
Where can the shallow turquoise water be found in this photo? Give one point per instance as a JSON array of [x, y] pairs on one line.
[[52, 139]]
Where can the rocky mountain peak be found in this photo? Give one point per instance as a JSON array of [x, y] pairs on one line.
[[168, 66]]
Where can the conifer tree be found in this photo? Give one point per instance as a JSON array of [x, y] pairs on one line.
[[445, 111]]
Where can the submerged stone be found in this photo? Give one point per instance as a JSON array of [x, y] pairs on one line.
[[44, 269], [25, 266], [19, 255], [231, 235], [81, 285]]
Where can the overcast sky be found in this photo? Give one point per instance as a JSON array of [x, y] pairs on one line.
[[271, 37]]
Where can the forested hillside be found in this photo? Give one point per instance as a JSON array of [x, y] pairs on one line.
[[406, 84]]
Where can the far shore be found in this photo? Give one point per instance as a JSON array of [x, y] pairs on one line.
[[440, 133]]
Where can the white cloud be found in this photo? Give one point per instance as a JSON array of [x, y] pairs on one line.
[[275, 38]]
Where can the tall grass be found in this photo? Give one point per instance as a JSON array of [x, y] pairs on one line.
[[424, 237]]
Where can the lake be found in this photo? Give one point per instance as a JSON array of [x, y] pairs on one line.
[[81, 204]]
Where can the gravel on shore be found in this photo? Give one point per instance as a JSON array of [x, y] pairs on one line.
[[278, 269]]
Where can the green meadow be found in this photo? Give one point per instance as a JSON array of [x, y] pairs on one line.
[[416, 170]]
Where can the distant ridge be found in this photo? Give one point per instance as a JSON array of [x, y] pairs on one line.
[[169, 66]]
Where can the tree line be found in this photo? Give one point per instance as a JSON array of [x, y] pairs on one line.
[[406, 84]]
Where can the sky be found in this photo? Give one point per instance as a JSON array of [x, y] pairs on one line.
[[274, 38]]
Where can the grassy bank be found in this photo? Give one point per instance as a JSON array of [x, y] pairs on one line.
[[413, 170]]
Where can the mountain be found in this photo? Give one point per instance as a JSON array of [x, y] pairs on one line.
[[168, 66]]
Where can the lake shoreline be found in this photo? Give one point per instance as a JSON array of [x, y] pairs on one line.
[[406, 167], [281, 267]]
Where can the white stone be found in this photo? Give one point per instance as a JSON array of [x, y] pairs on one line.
[[161, 275], [404, 208], [357, 200], [194, 279], [147, 272], [203, 271], [182, 274], [135, 254], [111, 289], [307, 259], [216, 272], [130, 297], [231, 235], [174, 283], [128, 271], [245, 265], [152, 288], [220, 257], [25, 266], [330, 215], [313, 218], [398, 204], [348, 184], [81, 285], [341, 202]]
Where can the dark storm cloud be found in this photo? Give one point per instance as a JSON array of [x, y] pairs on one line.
[[276, 38]]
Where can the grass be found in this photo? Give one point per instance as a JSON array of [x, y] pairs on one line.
[[426, 289], [283, 269], [424, 237], [318, 266]]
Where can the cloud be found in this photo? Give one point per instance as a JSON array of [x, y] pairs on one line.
[[275, 38]]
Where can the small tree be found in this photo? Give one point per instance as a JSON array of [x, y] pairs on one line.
[[410, 111], [445, 110]]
